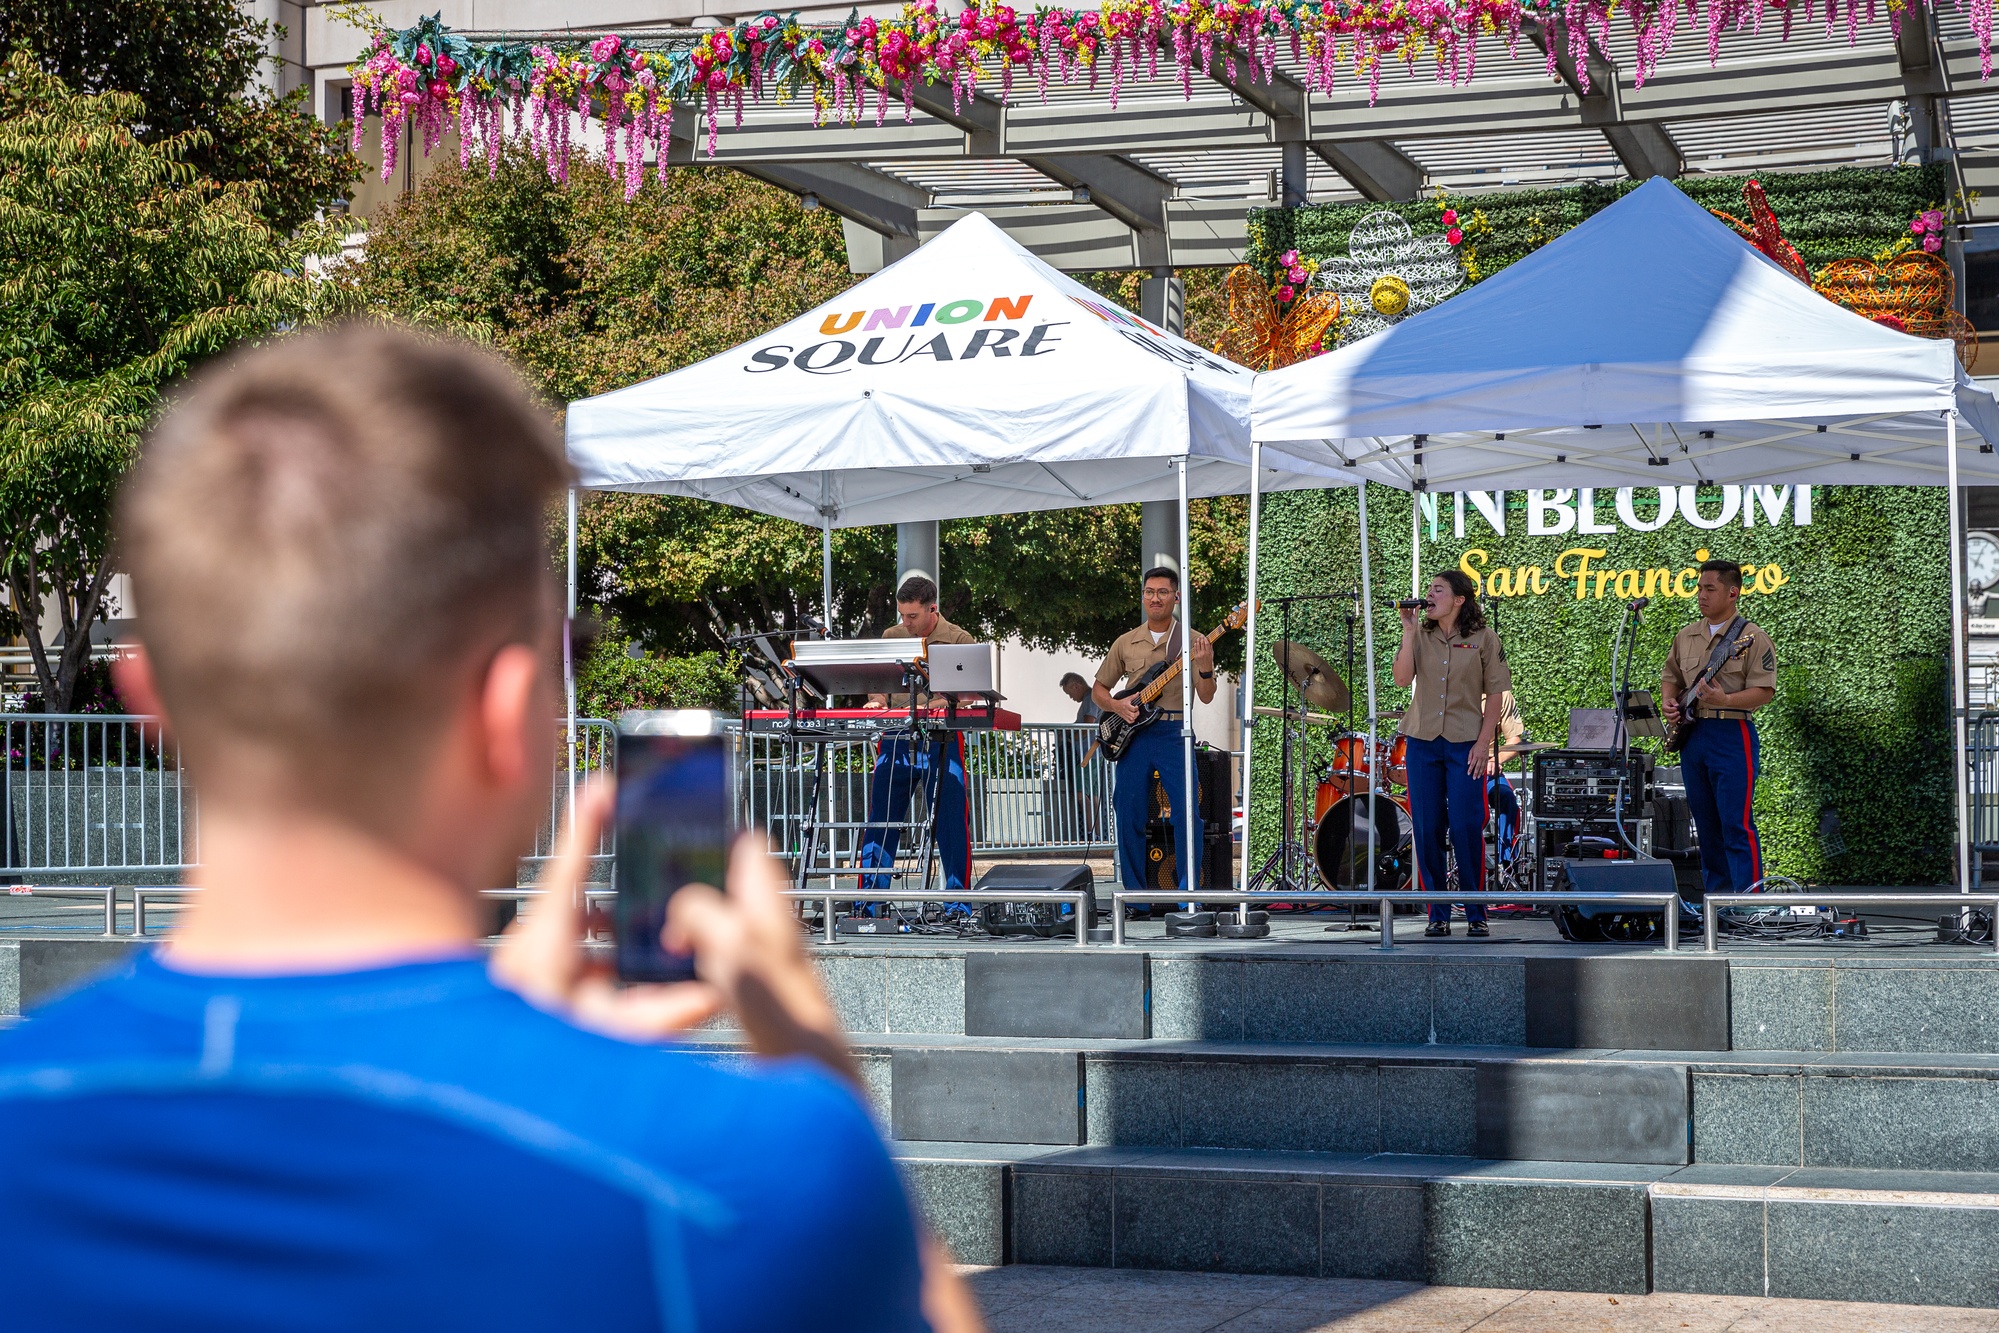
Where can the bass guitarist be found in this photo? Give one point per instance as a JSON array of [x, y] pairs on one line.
[[1718, 760], [1157, 749]]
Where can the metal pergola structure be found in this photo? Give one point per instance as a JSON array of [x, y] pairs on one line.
[[1164, 181]]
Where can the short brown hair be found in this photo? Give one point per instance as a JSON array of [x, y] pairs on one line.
[[1731, 573], [327, 536], [917, 589]]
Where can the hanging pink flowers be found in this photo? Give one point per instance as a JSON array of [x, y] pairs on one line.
[[1929, 226], [428, 76]]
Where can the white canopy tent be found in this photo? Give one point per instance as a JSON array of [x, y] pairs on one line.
[[1649, 346], [967, 379]]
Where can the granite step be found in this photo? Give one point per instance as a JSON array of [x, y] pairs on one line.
[[1803, 1109], [1889, 1236]]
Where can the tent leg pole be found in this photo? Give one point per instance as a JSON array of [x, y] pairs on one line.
[[1190, 813], [826, 574], [1367, 636], [569, 654], [1415, 543], [1960, 686], [1249, 674]]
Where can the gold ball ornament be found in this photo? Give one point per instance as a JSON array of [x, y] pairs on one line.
[[1389, 295]]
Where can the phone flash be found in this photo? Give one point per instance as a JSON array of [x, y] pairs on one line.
[[671, 722]]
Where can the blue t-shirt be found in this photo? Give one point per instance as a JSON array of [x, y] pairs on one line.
[[416, 1148]]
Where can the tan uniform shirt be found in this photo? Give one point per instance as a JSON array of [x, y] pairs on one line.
[[945, 632], [1755, 667], [1454, 675], [1131, 656]]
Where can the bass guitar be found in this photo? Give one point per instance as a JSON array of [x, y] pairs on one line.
[[1680, 730], [1114, 734]]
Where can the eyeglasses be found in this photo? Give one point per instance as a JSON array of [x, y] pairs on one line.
[[1162, 593]]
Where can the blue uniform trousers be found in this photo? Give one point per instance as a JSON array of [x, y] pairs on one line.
[[1719, 767], [1157, 749], [1442, 795], [1504, 803], [900, 765]]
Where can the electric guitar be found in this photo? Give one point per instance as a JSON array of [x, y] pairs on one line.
[[1114, 734], [1680, 730]]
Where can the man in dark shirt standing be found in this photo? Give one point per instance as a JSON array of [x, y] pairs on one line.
[[316, 1106]]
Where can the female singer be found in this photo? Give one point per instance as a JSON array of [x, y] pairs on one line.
[[1459, 676]]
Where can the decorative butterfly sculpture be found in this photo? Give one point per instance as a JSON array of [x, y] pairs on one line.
[[1264, 335], [1912, 293]]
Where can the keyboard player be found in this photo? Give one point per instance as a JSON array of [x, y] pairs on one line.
[[902, 760]]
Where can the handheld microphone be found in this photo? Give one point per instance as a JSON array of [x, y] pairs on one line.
[[1411, 603]]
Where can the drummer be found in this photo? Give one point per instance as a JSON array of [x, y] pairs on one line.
[[1458, 674]]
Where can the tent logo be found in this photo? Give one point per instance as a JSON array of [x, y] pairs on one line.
[[950, 312]]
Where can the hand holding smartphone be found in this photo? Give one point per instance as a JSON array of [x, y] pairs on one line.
[[674, 800]]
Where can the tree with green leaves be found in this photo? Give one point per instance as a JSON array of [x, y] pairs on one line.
[[590, 293], [121, 267], [194, 65]]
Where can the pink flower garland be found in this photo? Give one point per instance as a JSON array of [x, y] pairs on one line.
[[985, 42]]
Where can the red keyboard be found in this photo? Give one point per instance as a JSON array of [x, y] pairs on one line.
[[864, 723]]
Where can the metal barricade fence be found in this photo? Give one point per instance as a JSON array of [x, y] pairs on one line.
[[95, 793], [1982, 757], [1027, 792], [91, 792]]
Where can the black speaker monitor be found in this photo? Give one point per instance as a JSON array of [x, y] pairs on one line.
[[1040, 919], [1613, 922]]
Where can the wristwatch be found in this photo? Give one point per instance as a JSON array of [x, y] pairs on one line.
[[1207, 675]]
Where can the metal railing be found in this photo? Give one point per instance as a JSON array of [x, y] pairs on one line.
[[1982, 790], [1027, 792], [1076, 898], [105, 891], [1385, 902], [92, 792], [1715, 903], [104, 793]]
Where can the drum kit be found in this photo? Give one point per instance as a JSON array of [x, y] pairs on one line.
[[1359, 793]]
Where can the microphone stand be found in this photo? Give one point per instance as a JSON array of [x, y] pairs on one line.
[[1620, 690]]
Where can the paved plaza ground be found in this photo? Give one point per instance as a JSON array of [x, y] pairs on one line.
[[1023, 1299]]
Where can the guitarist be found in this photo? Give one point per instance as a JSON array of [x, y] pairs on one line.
[[1718, 761], [1157, 748]]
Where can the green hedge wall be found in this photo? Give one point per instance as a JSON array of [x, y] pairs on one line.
[[1828, 215], [1856, 774]]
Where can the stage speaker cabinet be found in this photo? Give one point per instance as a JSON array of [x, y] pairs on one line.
[[1040, 920], [1214, 795], [1591, 923]]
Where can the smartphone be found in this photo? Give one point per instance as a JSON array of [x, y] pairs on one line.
[[674, 780]]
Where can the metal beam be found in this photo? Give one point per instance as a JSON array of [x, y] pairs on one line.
[[1120, 187], [1645, 148], [982, 118], [1377, 168], [877, 201]]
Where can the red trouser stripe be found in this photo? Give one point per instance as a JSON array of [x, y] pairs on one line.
[[1748, 798]]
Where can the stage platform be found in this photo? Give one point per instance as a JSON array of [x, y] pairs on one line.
[[1799, 1120]]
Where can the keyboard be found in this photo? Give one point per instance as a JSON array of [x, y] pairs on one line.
[[865, 723]]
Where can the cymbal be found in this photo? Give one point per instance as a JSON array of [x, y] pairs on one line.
[[1313, 675], [1318, 719]]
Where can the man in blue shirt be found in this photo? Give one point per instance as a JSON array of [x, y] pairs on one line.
[[317, 1106]]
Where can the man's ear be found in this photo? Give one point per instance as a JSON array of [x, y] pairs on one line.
[[506, 700], [132, 676]]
